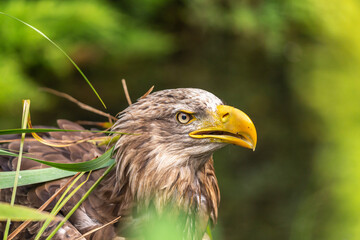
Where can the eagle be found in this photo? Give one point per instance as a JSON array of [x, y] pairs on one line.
[[164, 167]]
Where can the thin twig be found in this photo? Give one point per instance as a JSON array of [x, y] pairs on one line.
[[98, 228], [126, 92], [80, 104], [148, 92], [24, 224]]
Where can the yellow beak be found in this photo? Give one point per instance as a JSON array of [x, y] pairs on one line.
[[229, 125]]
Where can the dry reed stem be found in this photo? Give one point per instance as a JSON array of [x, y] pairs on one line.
[[148, 92], [128, 96], [126, 91], [16, 140]]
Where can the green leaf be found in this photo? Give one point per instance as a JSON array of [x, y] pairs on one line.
[[75, 167], [21, 213], [83, 166], [28, 177]]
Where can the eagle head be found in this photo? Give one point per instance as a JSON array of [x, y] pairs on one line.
[[166, 159], [186, 123]]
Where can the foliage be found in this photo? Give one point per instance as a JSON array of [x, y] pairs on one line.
[[290, 64], [21, 213], [96, 32], [332, 90]]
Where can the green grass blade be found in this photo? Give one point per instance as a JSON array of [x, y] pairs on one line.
[[21, 213], [75, 167], [60, 204], [58, 47], [80, 202], [208, 231], [45, 130], [25, 117], [82, 166], [28, 177]]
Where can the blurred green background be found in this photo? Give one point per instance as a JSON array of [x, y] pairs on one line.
[[292, 65]]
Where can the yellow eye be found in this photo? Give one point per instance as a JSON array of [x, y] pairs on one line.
[[184, 117]]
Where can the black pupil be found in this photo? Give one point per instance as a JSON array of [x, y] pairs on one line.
[[184, 117]]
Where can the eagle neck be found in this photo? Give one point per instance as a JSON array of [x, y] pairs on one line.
[[147, 176]]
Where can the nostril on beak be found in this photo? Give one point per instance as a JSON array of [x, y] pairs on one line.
[[225, 117]]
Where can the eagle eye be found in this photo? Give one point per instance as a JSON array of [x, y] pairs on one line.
[[184, 117]]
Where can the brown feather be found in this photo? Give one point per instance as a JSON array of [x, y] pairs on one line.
[[158, 167]]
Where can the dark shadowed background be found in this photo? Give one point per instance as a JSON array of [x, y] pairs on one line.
[[292, 65]]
